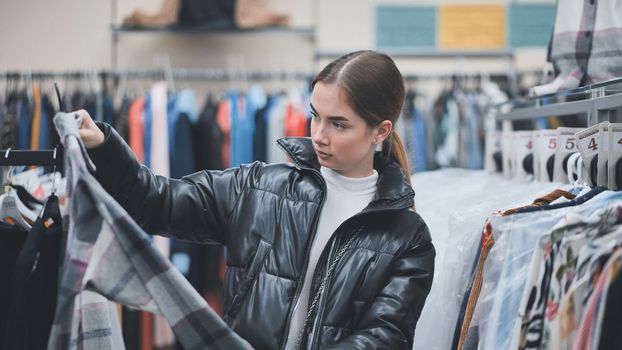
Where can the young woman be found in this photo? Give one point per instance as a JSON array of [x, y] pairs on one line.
[[326, 252]]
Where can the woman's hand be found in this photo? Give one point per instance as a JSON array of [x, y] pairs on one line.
[[90, 134]]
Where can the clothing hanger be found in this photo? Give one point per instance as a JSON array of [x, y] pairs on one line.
[[28, 199], [12, 210], [50, 206]]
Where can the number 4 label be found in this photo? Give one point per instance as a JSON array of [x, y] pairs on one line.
[[593, 146], [587, 142]]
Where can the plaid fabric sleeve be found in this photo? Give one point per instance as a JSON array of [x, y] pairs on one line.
[[110, 255]]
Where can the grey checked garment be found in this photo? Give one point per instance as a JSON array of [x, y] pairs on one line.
[[587, 41], [109, 258]]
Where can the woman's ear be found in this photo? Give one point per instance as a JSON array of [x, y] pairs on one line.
[[382, 131]]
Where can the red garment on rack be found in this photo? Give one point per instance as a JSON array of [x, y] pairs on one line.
[[136, 133], [295, 121], [223, 117]]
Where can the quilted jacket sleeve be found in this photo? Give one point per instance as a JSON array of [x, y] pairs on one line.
[[390, 321], [194, 208]]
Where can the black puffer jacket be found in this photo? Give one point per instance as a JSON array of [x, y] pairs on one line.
[[266, 216]]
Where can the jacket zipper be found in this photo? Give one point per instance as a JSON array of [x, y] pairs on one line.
[[314, 331], [317, 175], [319, 313]]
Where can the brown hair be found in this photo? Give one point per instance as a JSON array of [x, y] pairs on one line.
[[375, 89]]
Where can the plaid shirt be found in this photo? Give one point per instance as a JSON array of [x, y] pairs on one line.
[[587, 41], [110, 258]]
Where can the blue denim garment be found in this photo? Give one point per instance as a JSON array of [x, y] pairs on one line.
[[147, 130], [507, 266]]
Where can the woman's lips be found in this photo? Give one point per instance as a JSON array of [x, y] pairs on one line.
[[322, 155]]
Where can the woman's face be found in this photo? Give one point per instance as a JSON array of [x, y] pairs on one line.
[[341, 138]]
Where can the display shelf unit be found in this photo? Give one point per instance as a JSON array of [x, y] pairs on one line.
[[598, 102]]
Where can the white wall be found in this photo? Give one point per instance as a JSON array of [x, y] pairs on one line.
[[75, 34]]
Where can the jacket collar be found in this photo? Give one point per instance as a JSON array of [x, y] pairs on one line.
[[393, 192]]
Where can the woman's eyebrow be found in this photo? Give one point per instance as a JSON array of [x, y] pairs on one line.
[[332, 117], [313, 108]]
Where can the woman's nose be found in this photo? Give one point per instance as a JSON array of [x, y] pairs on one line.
[[318, 135]]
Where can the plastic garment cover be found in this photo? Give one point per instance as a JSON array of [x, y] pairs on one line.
[[455, 204], [508, 267]]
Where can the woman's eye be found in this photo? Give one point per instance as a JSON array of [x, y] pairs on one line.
[[314, 116], [339, 126]]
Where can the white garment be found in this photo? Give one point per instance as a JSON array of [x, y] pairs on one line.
[[163, 334], [159, 130], [345, 197], [276, 130]]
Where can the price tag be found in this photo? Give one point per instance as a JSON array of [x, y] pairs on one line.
[[566, 145], [523, 146], [546, 149], [615, 154], [603, 153], [493, 145], [588, 143]]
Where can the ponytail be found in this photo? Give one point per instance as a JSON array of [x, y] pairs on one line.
[[398, 153]]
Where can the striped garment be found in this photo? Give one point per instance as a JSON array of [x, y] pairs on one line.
[[109, 258], [587, 41]]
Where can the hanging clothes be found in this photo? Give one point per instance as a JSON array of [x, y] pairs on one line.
[[276, 129], [34, 288], [119, 242], [181, 151], [147, 129], [136, 133], [12, 240], [223, 117], [23, 131], [208, 139], [36, 117]]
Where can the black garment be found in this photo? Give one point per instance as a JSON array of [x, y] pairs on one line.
[[12, 240], [46, 104], [610, 335], [107, 109], [260, 148], [35, 283], [121, 118], [8, 132], [207, 139], [131, 328], [182, 152], [214, 13], [266, 215]]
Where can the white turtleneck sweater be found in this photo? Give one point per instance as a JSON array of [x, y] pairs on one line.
[[345, 197]]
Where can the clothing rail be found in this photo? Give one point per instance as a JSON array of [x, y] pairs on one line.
[[224, 74], [11, 157], [178, 74]]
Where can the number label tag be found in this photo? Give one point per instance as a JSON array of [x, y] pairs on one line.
[[546, 150], [603, 153], [566, 145], [588, 142], [523, 145], [615, 154]]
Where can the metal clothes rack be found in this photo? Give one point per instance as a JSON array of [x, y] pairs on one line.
[[177, 73], [45, 157], [217, 74], [599, 102]]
